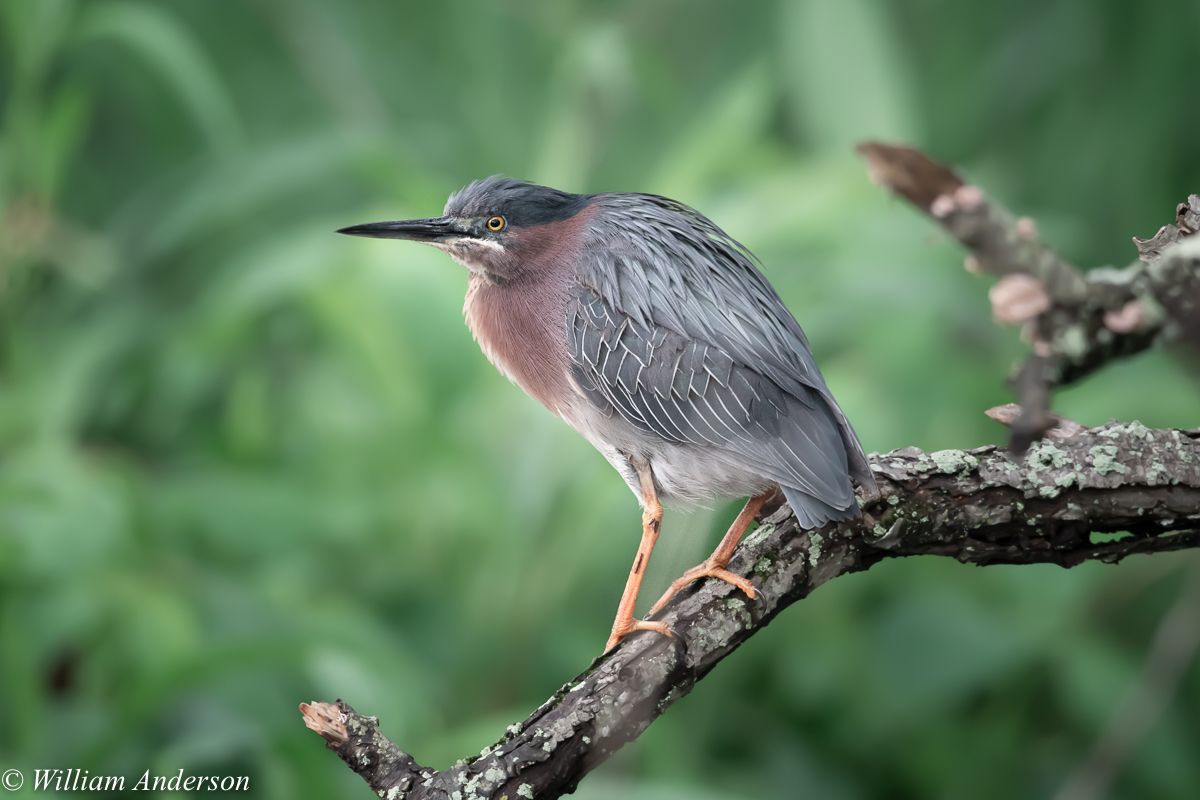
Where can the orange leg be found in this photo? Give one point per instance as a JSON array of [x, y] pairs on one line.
[[714, 565], [652, 514]]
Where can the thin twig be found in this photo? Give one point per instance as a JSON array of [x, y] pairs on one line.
[[1077, 322], [1000, 243]]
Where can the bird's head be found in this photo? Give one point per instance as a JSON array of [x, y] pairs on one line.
[[498, 228]]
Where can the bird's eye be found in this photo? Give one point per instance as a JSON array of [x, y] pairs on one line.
[[495, 224]]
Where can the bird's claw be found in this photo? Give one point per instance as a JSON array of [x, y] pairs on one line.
[[704, 571], [622, 628]]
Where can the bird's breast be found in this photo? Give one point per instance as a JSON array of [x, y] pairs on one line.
[[522, 331]]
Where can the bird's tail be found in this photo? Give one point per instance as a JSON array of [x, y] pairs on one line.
[[813, 513]]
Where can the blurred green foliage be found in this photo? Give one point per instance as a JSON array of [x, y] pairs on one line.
[[245, 462]]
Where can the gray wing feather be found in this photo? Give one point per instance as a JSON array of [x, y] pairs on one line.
[[691, 393], [717, 359]]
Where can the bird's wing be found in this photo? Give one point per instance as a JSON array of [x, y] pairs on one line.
[[689, 392], [658, 264]]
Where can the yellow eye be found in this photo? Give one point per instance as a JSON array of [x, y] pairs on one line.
[[495, 224]]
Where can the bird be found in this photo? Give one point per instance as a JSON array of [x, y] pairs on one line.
[[654, 334]]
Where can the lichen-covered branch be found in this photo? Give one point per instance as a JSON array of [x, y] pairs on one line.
[[1076, 321], [1060, 504]]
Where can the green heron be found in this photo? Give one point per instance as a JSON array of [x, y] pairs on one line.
[[650, 331]]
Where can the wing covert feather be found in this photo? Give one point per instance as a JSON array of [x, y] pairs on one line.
[[687, 392], [697, 305]]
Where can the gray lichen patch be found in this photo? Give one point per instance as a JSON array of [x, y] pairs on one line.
[[739, 618], [1139, 431], [1071, 342], [759, 535], [1045, 455], [716, 632], [1135, 429], [814, 549], [1104, 459], [954, 461]]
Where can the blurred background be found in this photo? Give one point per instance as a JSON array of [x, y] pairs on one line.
[[245, 462]]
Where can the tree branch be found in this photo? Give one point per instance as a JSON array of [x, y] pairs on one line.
[[982, 506], [1077, 322]]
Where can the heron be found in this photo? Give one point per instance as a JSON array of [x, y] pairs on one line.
[[653, 333]]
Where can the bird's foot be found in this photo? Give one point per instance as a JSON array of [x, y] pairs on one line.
[[624, 627], [705, 570]]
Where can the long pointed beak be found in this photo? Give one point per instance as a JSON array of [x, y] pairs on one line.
[[437, 229]]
